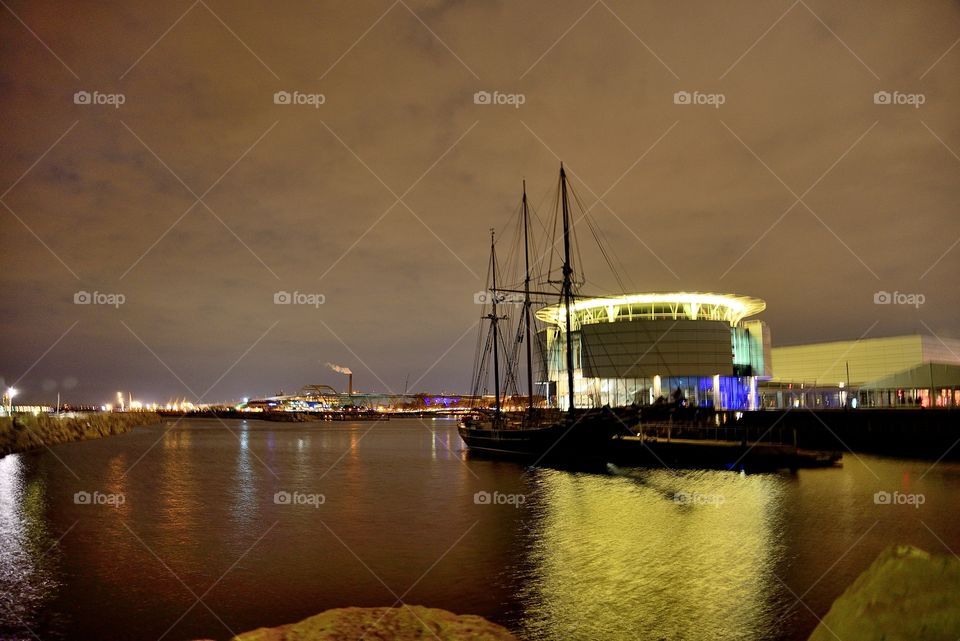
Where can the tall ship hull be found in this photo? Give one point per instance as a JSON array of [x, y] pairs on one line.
[[586, 433]]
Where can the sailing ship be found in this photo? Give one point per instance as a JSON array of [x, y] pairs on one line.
[[543, 433]]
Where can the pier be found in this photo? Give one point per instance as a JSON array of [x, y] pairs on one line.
[[911, 433]]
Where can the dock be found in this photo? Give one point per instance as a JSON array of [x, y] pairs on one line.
[[716, 454]]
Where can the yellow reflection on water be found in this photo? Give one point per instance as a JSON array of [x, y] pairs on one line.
[[354, 444], [651, 554], [28, 552], [177, 491], [116, 482], [245, 491]]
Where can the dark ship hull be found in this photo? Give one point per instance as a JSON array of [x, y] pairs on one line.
[[585, 433]]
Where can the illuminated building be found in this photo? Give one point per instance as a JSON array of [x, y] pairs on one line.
[[640, 347], [894, 371]]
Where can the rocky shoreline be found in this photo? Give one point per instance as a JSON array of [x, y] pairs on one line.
[[404, 623], [906, 594], [27, 432]]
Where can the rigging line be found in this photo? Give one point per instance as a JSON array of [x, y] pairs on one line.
[[609, 255], [574, 241], [608, 251], [509, 271], [510, 386], [536, 269], [553, 234], [479, 386], [538, 260], [509, 365], [481, 349], [595, 232]]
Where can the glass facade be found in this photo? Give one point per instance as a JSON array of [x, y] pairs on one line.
[[720, 392], [725, 391], [640, 348]]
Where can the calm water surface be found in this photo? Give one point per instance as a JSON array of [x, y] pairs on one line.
[[185, 535]]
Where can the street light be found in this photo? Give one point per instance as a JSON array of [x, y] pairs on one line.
[[10, 394]]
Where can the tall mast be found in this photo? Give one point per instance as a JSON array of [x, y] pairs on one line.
[[493, 325], [526, 299], [567, 283]]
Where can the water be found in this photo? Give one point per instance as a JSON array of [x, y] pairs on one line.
[[183, 538]]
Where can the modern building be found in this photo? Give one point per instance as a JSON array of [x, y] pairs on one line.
[[638, 348], [913, 370]]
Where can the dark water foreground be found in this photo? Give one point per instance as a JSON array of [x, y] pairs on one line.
[[205, 528]]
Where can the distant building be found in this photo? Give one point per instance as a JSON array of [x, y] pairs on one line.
[[640, 347], [895, 371]]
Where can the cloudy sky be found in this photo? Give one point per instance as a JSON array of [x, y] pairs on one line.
[[199, 197]]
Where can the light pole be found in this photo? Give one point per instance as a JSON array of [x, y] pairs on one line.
[[10, 394]]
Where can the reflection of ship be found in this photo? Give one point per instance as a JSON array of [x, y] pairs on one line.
[[536, 431]]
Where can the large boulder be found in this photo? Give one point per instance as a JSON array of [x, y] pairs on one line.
[[406, 623], [905, 595]]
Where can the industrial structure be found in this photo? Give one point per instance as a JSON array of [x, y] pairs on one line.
[[650, 347]]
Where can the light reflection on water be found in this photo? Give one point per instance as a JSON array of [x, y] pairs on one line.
[[244, 501], [28, 552], [631, 554], [652, 554]]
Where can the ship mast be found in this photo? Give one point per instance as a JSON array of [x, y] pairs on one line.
[[526, 300], [493, 324], [567, 284]]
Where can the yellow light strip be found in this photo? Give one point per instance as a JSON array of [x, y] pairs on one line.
[[739, 306]]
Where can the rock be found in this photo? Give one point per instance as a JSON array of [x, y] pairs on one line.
[[384, 624], [25, 432], [905, 595]]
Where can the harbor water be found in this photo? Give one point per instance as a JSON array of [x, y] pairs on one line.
[[205, 528]]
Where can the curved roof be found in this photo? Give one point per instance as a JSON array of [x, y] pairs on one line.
[[731, 308]]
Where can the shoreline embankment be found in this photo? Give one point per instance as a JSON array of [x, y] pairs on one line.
[[27, 432]]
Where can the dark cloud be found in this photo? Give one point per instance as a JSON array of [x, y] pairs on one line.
[[303, 199]]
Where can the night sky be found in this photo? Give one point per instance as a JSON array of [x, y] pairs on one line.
[[199, 198]]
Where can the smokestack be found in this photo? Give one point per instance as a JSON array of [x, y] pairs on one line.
[[344, 370]]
